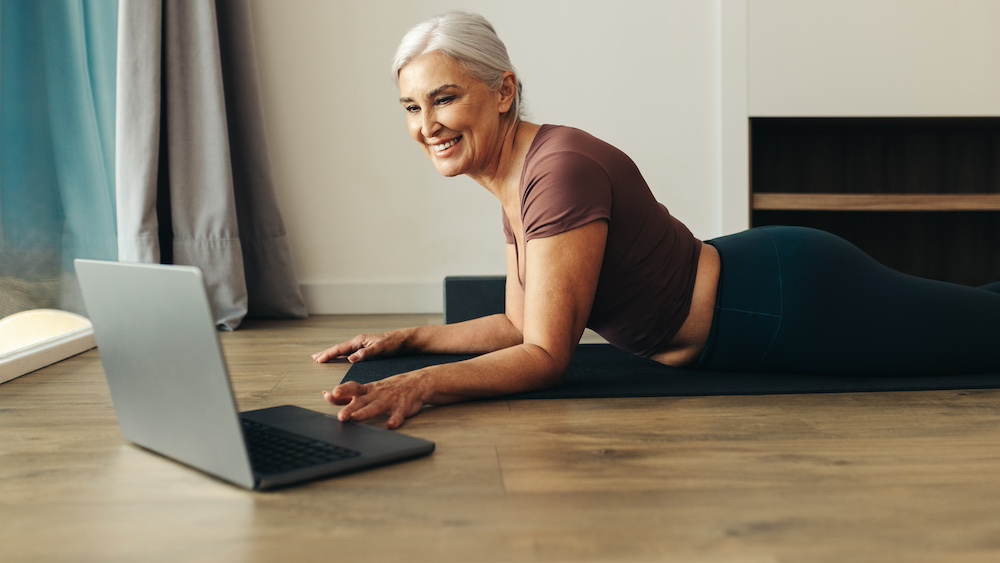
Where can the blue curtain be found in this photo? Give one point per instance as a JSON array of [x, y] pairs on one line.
[[57, 146]]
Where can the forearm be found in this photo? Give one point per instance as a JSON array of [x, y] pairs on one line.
[[518, 368], [476, 336], [515, 369]]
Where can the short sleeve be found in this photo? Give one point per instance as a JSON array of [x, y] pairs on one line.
[[564, 190]]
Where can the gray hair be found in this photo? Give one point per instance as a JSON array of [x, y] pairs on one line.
[[470, 40]]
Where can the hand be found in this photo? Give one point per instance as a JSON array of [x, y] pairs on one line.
[[365, 346], [399, 396]]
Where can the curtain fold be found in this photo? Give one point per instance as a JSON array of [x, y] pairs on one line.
[[193, 173], [57, 101]]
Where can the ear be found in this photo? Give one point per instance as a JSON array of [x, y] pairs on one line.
[[507, 92]]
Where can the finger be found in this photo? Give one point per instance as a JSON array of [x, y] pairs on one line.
[[334, 352], [368, 410], [343, 349], [348, 413], [328, 396], [345, 393], [362, 353], [325, 356], [396, 419], [401, 412], [345, 414], [350, 389], [334, 399]]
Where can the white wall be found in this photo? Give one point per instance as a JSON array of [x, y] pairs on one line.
[[373, 227], [873, 58]]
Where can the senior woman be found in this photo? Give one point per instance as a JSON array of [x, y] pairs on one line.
[[588, 245]]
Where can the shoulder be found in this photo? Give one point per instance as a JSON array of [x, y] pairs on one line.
[[560, 138], [564, 151], [565, 183]]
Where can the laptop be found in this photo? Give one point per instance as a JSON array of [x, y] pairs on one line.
[[172, 394]]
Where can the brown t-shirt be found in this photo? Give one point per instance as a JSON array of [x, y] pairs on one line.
[[644, 291]]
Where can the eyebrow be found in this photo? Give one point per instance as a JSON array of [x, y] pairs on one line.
[[432, 93]]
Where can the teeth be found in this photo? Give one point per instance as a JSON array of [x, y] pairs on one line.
[[445, 146]]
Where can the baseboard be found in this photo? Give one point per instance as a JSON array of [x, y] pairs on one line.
[[37, 338], [358, 298]]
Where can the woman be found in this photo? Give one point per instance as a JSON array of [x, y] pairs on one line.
[[773, 299]]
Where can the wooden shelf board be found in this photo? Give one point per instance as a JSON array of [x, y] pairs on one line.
[[875, 202]]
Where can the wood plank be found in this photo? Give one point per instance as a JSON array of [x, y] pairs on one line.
[[904, 476], [875, 202]]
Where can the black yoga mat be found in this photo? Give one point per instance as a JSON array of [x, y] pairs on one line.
[[601, 370]]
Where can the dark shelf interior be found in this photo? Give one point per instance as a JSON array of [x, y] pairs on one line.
[[889, 156]]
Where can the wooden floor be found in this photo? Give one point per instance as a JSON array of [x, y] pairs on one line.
[[853, 477]]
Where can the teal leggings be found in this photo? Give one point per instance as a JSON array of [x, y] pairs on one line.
[[799, 300]]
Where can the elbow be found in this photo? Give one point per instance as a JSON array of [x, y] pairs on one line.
[[554, 366], [557, 378]]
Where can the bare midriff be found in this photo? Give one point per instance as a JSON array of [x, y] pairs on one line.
[[689, 342]]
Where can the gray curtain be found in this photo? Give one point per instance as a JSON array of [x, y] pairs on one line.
[[193, 178]]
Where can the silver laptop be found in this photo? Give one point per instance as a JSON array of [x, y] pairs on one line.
[[171, 390]]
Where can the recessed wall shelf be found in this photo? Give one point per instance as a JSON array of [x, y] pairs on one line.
[[875, 202], [921, 195]]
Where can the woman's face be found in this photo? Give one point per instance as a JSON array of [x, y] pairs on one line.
[[455, 118]]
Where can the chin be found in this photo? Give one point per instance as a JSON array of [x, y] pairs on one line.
[[448, 171]]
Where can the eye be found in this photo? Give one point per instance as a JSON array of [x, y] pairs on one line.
[[411, 108], [444, 100]]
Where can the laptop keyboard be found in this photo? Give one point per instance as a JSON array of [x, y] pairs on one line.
[[274, 451]]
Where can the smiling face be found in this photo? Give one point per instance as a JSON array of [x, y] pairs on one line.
[[458, 119]]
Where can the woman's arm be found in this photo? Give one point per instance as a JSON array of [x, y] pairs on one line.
[[475, 336], [561, 280]]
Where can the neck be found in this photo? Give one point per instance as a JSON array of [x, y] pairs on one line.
[[503, 178]]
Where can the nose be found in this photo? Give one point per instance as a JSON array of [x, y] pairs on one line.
[[429, 125]]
